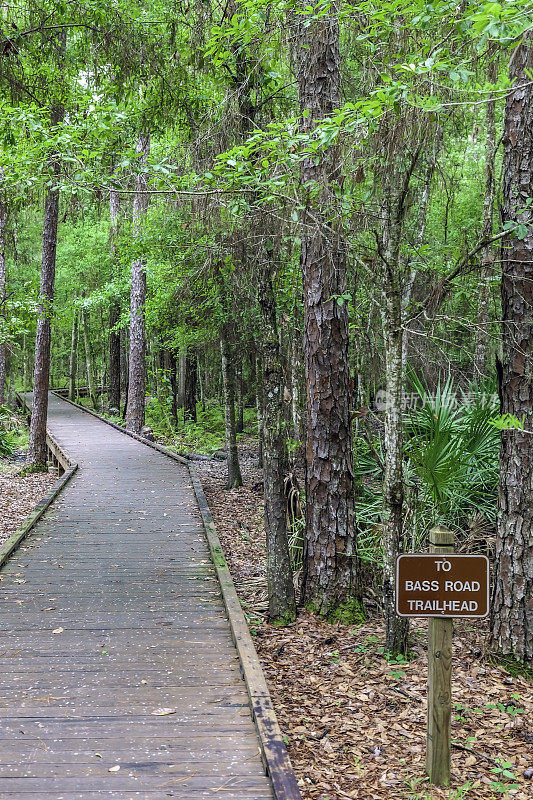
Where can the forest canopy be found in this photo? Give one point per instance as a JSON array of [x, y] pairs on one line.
[[310, 223]]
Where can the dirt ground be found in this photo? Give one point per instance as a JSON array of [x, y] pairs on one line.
[[355, 723]]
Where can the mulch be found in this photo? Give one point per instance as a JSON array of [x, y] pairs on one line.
[[355, 723], [19, 496]]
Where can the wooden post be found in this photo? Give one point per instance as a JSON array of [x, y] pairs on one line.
[[439, 679]]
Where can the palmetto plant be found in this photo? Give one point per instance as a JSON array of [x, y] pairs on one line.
[[7, 435], [450, 467], [452, 448]]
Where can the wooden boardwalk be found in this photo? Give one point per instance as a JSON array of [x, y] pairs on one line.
[[110, 611]]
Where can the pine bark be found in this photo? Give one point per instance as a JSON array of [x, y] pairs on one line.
[[114, 312], [281, 597], [135, 414], [512, 597], [73, 360], [37, 450], [330, 580]]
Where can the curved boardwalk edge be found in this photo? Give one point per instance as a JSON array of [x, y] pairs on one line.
[[273, 751], [70, 467]]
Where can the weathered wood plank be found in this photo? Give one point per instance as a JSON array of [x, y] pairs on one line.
[[121, 564]]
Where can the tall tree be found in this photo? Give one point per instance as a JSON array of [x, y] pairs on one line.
[[114, 310], [330, 569], [37, 449], [512, 597], [281, 597], [137, 368]]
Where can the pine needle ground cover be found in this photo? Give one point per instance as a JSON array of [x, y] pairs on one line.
[[355, 721]]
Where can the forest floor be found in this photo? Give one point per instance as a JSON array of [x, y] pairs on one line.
[[355, 722], [19, 495]]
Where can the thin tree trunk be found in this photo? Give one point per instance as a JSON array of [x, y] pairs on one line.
[[24, 364], [182, 369], [191, 380], [3, 286], [296, 375], [88, 359], [396, 628], [239, 422], [512, 596], [114, 312], [73, 360], [170, 366], [281, 598], [228, 383], [201, 386], [420, 237], [137, 368], [330, 575], [259, 413], [487, 256], [37, 450]]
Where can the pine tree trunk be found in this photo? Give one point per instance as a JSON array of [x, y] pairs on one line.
[[37, 450], [137, 368], [281, 598], [114, 313], [3, 288], [191, 381], [487, 258], [88, 359], [330, 581], [512, 596], [73, 360], [228, 383]]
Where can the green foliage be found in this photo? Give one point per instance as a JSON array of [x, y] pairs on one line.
[[13, 433], [450, 468], [452, 448], [504, 772]]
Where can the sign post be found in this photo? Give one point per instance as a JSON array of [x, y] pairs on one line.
[[441, 585], [438, 749]]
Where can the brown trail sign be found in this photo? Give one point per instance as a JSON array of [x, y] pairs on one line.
[[441, 585], [431, 585]]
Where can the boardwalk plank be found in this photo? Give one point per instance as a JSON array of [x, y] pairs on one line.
[[120, 562]]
